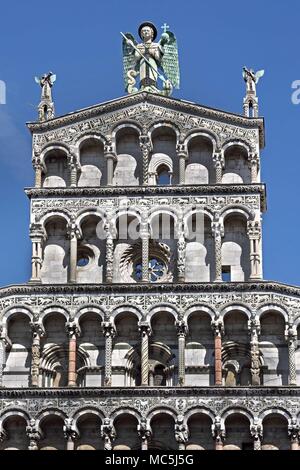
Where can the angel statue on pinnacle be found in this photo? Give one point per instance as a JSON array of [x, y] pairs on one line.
[[151, 60]]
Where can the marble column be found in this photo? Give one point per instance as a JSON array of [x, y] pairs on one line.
[[217, 326], [291, 337], [37, 332], [219, 163], [218, 432], [108, 433], [145, 236], [293, 431], [254, 234], [254, 166], [73, 234], [37, 236], [146, 147], [218, 233], [181, 432], [109, 253], [144, 430], [3, 348], [182, 156], [109, 333], [254, 331], [37, 165], [111, 157], [72, 331], [181, 333], [145, 330], [34, 434], [181, 247], [256, 431]]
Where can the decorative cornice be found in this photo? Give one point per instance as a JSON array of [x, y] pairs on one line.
[[219, 287], [129, 100], [111, 392], [183, 190]]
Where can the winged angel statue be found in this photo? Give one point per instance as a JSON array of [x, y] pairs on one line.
[[150, 60], [251, 78], [46, 82]]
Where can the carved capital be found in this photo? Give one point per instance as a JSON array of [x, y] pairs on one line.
[[73, 231], [108, 329], [72, 329], [144, 429], [217, 326], [181, 430], [34, 434], [218, 159], [108, 433], [145, 328], [70, 430], [181, 328], [218, 430], [254, 230], [294, 430], [181, 151], [217, 229]]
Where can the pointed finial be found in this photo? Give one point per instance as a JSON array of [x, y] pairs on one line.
[[46, 106]]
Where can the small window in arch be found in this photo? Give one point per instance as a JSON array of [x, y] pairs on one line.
[[163, 176], [226, 274]]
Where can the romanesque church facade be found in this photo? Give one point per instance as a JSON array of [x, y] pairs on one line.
[[160, 341]]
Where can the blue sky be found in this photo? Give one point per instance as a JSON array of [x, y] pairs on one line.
[[81, 43]]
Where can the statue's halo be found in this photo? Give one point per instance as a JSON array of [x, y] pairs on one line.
[[148, 23]]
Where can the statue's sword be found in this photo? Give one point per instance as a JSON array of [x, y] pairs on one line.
[[145, 58]]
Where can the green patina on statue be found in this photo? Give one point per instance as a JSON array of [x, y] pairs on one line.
[[151, 60]]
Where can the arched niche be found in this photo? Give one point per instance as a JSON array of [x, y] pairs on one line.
[[16, 438], [91, 250], [275, 433], [92, 342], [164, 143], [128, 167], [200, 435], [237, 170], [52, 433], [200, 166], [18, 358], [55, 252], [54, 351], [235, 249], [57, 173], [92, 163], [237, 428], [89, 425], [199, 350], [273, 345], [127, 437], [199, 251], [163, 435], [126, 351]]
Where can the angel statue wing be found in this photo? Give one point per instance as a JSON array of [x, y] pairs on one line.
[[259, 74], [52, 78], [129, 61], [37, 80], [170, 63]]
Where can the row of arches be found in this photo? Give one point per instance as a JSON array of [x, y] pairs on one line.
[[94, 340], [127, 431], [198, 255], [122, 164]]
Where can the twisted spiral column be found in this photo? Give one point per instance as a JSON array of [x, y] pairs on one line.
[[109, 333], [145, 333]]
